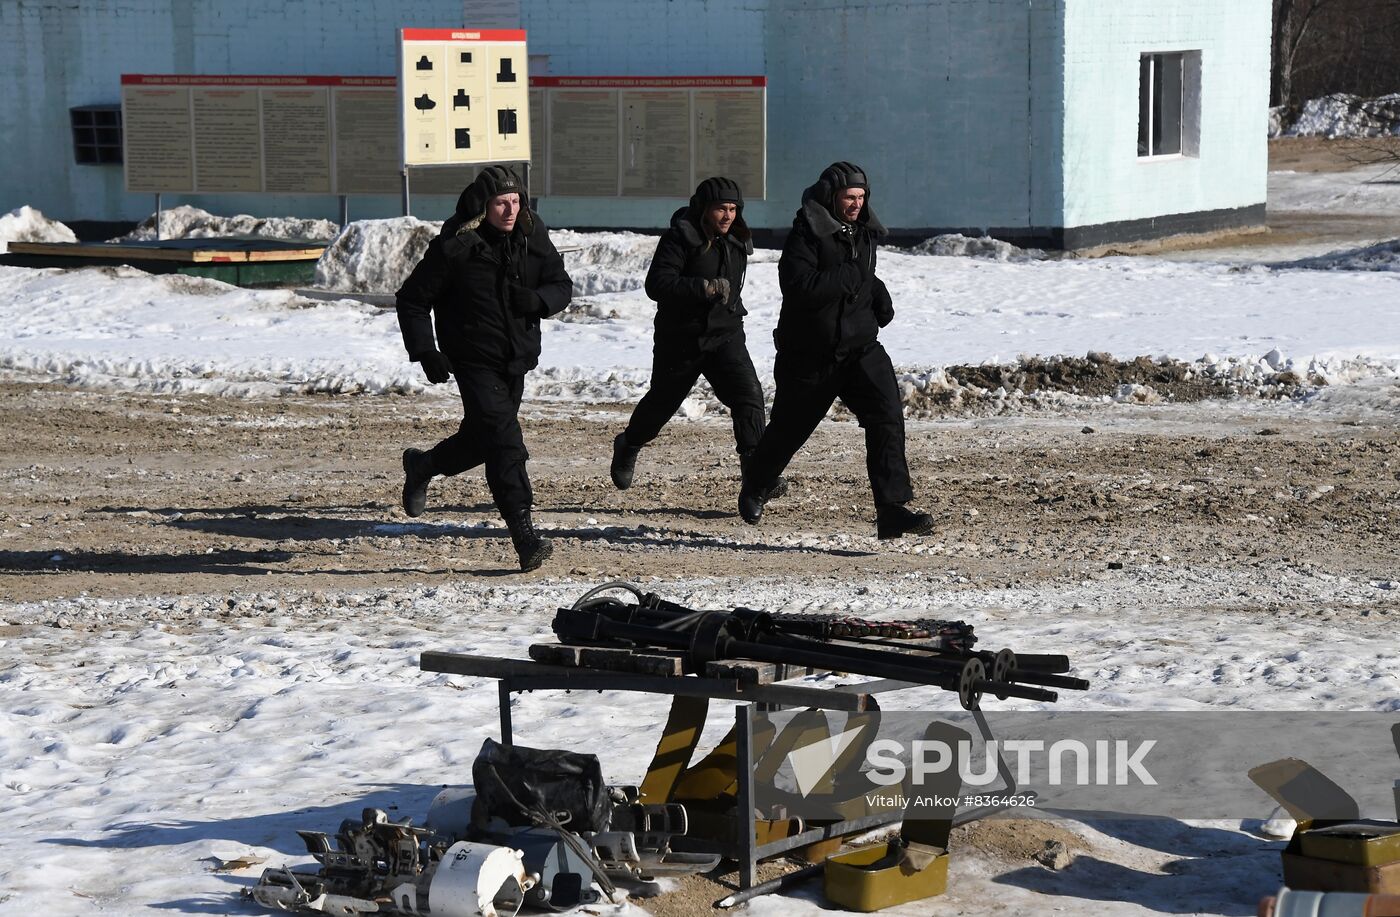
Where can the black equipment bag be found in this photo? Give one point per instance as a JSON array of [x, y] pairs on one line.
[[567, 785]]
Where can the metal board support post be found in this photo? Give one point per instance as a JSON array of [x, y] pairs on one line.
[[158, 216], [344, 210], [745, 823], [406, 200], [503, 691]]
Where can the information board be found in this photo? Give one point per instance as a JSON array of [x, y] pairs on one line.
[[583, 136], [464, 96], [279, 134], [607, 136]]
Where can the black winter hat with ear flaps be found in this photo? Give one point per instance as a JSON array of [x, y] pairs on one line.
[[837, 176], [717, 190], [491, 181]]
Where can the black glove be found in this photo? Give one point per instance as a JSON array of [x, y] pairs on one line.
[[435, 366], [524, 302], [717, 289], [883, 305]]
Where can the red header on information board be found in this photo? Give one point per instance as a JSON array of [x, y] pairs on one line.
[[463, 34], [178, 79], [647, 82]]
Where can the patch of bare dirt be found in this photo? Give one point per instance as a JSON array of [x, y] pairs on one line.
[[131, 494], [1319, 154], [1014, 839]]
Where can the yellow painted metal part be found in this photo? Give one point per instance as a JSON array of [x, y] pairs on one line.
[[678, 740], [913, 865]]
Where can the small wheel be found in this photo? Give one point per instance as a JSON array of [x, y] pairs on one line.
[[969, 694], [1002, 667]]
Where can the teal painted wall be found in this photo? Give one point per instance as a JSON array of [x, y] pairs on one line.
[[971, 114], [646, 38], [935, 99], [1104, 179], [953, 107], [56, 54]]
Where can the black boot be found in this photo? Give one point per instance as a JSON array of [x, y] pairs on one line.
[[895, 520], [778, 488], [417, 472], [751, 498], [624, 462], [532, 550]]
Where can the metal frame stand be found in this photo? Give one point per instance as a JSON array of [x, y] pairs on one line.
[[520, 675]]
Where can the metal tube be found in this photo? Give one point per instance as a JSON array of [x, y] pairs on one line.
[[745, 824], [1050, 681], [772, 885]]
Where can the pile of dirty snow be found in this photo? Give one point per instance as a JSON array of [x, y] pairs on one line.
[[1344, 115], [186, 222], [1384, 256], [606, 262], [25, 224], [374, 256], [956, 245], [1033, 383]]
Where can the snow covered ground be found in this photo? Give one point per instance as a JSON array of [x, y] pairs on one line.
[[144, 742], [122, 328]]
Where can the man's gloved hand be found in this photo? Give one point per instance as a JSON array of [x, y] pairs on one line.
[[435, 365], [717, 289], [524, 302]]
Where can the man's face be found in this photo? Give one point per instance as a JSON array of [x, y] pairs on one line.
[[719, 217], [502, 211], [849, 202]]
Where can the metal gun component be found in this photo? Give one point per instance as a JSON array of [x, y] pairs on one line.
[[942, 658], [382, 866], [621, 857], [563, 879]]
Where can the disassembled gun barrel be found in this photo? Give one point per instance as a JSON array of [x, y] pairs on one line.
[[936, 653]]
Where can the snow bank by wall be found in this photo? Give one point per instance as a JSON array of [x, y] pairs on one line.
[[25, 224], [186, 222], [1344, 115], [374, 256], [606, 262], [956, 245]]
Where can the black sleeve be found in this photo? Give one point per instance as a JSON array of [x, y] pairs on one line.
[[881, 303], [803, 281], [664, 280], [555, 288], [417, 298]]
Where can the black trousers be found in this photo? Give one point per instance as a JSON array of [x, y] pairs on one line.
[[865, 383], [674, 373], [489, 433]]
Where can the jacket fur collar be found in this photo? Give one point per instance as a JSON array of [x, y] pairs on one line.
[[685, 223], [822, 223]]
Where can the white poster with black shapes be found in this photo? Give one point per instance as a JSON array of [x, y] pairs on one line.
[[467, 115], [465, 96], [510, 102], [424, 82]]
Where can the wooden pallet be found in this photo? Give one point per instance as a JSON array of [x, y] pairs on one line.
[[186, 251], [663, 663]]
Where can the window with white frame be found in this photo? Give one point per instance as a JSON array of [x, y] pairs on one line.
[[1169, 94]]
